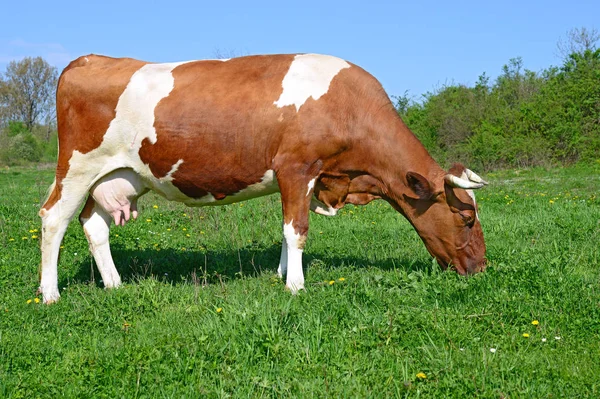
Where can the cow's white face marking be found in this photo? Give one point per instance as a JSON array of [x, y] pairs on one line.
[[309, 76], [311, 184]]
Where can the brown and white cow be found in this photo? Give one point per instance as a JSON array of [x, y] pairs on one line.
[[317, 129]]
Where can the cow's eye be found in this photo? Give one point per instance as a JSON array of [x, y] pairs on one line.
[[467, 217]]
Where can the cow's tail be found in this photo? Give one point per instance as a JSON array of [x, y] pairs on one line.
[[49, 191]]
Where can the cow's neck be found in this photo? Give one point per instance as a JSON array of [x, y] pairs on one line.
[[393, 156]]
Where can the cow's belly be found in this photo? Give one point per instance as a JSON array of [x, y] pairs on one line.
[[117, 192], [267, 185]]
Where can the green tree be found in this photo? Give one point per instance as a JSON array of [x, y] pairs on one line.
[[27, 91]]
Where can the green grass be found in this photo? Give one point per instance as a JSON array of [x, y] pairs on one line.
[[204, 315]]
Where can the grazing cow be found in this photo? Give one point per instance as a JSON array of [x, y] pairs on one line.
[[317, 129]]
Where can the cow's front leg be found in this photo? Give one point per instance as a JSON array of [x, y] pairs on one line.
[[296, 193], [282, 269]]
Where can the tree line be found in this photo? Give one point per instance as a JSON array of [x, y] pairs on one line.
[[523, 118]]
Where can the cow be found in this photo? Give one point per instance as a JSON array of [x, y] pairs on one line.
[[319, 130]]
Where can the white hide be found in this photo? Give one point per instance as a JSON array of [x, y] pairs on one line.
[[295, 246], [309, 76]]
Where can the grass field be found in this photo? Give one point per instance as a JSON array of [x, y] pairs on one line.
[[202, 314]]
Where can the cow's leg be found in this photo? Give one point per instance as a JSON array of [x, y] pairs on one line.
[[56, 213], [296, 193], [96, 225]]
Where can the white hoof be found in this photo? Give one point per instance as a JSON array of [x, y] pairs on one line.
[[294, 287], [113, 283], [50, 296]]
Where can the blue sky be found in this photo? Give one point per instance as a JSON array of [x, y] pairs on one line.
[[408, 45]]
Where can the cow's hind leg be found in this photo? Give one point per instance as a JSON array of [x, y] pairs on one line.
[[296, 194], [96, 225], [56, 213]]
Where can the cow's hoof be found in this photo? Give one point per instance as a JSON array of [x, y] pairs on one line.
[[112, 284], [294, 288], [50, 296]]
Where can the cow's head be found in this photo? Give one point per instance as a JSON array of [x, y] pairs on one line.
[[444, 213]]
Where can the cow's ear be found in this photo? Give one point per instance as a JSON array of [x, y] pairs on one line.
[[420, 185]]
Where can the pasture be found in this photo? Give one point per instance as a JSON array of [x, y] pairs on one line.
[[202, 313]]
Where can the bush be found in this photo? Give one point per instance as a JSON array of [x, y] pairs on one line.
[[20, 149], [523, 119]]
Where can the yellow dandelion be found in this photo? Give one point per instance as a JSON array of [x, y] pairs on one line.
[[525, 335], [551, 201], [185, 214], [421, 376], [184, 229], [11, 239], [148, 220], [36, 300], [332, 282], [32, 231], [187, 235], [155, 206], [341, 279], [24, 238], [535, 322], [201, 232], [168, 229], [29, 301], [34, 236], [219, 310]]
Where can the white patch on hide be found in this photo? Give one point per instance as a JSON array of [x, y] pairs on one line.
[[169, 175], [309, 76], [133, 122], [311, 185], [295, 276]]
